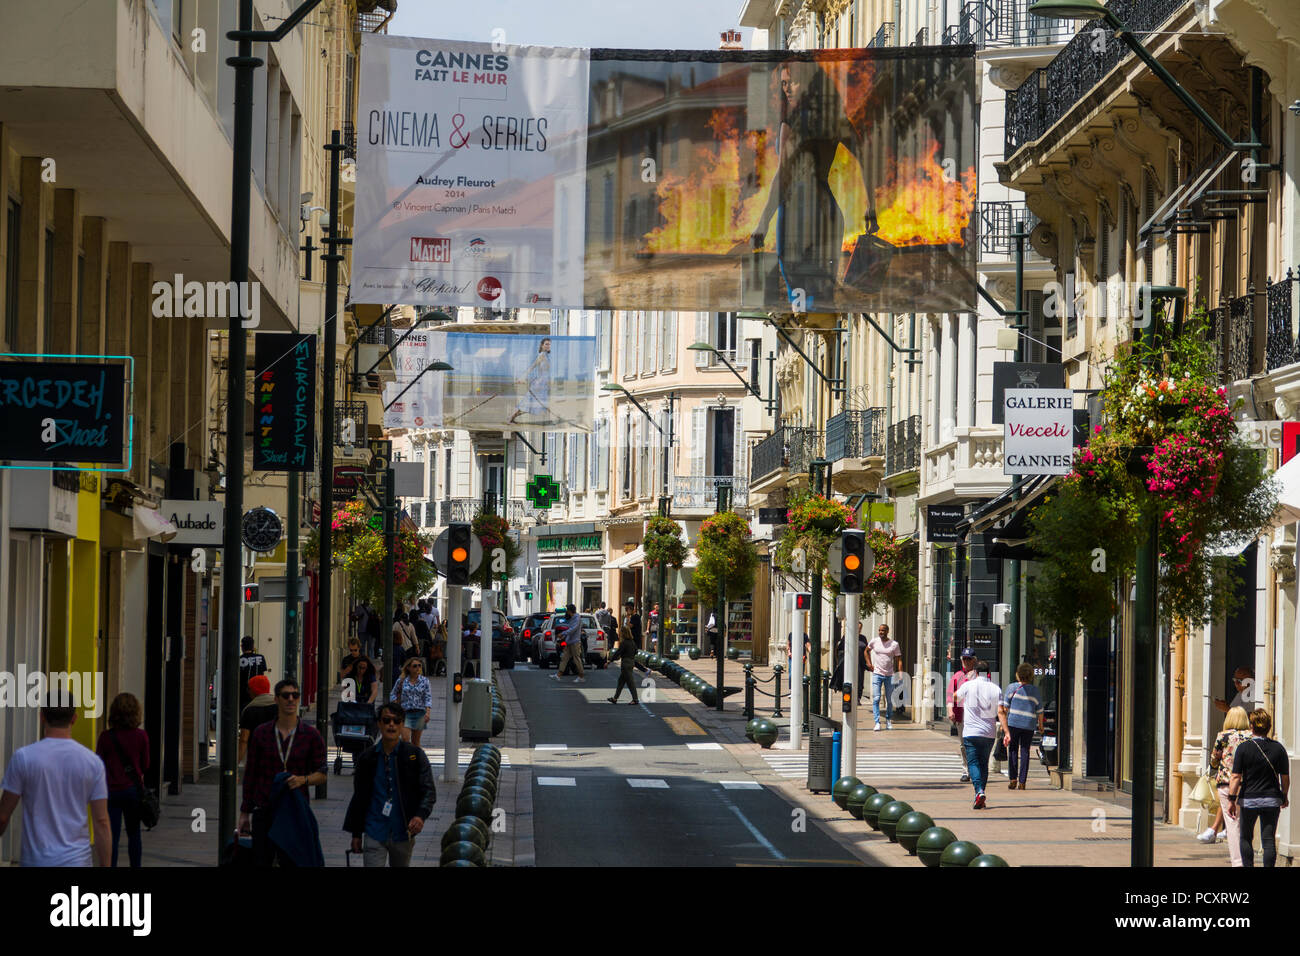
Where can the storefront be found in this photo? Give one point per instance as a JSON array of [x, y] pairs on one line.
[[570, 563]]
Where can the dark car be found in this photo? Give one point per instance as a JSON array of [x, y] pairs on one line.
[[505, 640], [530, 636]]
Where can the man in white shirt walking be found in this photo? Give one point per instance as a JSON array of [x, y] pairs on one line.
[[979, 699], [56, 778], [884, 658]]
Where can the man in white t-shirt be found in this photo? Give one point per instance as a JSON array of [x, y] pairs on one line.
[[56, 778], [979, 699], [884, 659]]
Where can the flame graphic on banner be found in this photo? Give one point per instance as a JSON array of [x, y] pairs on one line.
[[923, 206], [703, 210]]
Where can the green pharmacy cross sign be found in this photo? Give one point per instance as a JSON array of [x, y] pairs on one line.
[[542, 491]]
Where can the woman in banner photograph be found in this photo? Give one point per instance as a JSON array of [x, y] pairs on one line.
[[537, 382], [809, 218]]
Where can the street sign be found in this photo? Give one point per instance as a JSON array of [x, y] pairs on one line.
[[772, 515], [347, 479], [941, 522], [277, 589], [542, 492], [440, 545], [381, 453]]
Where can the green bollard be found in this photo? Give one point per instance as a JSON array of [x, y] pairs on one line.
[[988, 859], [765, 733], [840, 790], [871, 809], [910, 828], [931, 844], [857, 798], [889, 816], [959, 853], [463, 850]]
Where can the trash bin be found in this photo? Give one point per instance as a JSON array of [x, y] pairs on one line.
[[821, 774], [476, 711]]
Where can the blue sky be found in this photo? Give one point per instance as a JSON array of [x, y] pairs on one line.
[[644, 24]]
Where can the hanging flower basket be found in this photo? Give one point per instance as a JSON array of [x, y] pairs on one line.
[[727, 557], [663, 543], [1167, 451], [813, 522]]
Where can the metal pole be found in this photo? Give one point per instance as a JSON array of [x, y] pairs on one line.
[[815, 628], [776, 672], [486, 618], [325, 589], [232, 546], [720, 644], [796, 680], [1012, 651], [851, 611], [291, 583], [455, 599], [1144, 700], [390, 547]]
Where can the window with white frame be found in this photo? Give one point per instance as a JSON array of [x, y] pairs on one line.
[[604, 332], [649, 334], [628, 321], [668, 360]]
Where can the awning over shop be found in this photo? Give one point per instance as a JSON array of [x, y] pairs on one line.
[[633, 559], [1030, 487]]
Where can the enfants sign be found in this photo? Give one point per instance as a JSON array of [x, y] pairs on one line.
[[56, 412], [284, 396]]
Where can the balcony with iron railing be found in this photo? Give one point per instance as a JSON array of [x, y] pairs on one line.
[[904, 446], [790, 448], [349, 141], [1232, 329], [700, 492], [884, 36], [991, 24], [855, 433], [1052, 91], [998, 223], [464, 509], [1282, 348], [496, 315]]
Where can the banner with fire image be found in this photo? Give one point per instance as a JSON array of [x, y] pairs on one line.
[[787, 181]]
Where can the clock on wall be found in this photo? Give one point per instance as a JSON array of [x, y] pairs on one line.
[[262, 529]]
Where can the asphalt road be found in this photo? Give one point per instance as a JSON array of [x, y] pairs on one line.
[[645, 786]]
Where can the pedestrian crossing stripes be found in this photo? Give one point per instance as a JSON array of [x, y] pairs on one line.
[[711, 745], [644, 784], [921, 766], [551, 747], [556, 782], [627, 746], [740, 785]]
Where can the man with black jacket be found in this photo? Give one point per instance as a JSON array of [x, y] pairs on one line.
[[392, 795]]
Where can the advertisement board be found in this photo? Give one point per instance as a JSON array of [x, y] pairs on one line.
[[807, 181], [1038, 432]]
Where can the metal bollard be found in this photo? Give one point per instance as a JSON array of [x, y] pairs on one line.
[[748, 712], [776, 672], [836, 745]]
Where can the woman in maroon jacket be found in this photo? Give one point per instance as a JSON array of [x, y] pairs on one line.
[[124, 738]]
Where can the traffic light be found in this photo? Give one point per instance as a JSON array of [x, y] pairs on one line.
[[847, 704], [458, 538], [251, 592], [457, 689], [853, 555], [803, 601]]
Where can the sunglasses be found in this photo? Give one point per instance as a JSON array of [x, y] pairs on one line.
[[290, 696], [390, 720]]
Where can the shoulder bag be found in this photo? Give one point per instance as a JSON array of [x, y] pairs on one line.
[[150, 810], [1255, 741]]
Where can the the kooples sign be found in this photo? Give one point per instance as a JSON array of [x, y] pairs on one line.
[[1039, 431], [197, 522]]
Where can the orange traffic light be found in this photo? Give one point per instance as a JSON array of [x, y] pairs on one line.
[[852, 562], [459, 554]]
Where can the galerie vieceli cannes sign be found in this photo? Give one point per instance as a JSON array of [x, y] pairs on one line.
[[1038, 434]]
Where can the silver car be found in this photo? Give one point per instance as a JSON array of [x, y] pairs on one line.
[[549, 643]]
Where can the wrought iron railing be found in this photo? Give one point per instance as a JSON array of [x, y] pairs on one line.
[[1282, 348], [495, 315], [998, 222], [349, 141], [464, 509], [696, 492], [904, 446], [1049, 93], [922, 37], [1218, 321], [1004, 23], [381, 333], [884, 36], [855, 433], [790, 447], [1241, 335], [357, 413]]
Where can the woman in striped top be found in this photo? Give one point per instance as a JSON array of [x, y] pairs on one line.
[[1020, 712]]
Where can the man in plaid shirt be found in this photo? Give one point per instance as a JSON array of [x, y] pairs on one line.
[[284, 745]]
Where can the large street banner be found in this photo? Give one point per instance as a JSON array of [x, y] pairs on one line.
[[497, 383], [816, 181]]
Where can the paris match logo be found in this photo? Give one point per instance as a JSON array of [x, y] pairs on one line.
[[430, 249]]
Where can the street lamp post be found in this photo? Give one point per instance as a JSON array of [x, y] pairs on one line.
[[245, 65], [665, 509]]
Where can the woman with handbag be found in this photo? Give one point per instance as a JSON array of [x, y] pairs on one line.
[[124, 748], [1257, 789], [1020, 712], [1236, 730]]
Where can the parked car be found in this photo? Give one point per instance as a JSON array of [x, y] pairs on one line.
[[505, 640], [597, 649], [530, 636]]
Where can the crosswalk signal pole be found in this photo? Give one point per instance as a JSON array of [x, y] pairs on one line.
[[455, 599], [797, 617]]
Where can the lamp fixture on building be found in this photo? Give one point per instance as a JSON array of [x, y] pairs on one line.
[[722, 359], [613, 387]]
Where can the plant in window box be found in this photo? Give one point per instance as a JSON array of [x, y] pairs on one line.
[[663, 543], [813, 523], [1167, 451], [727, 555]]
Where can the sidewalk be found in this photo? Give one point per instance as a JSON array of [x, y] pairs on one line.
[[1041, 826], [175, 841]]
